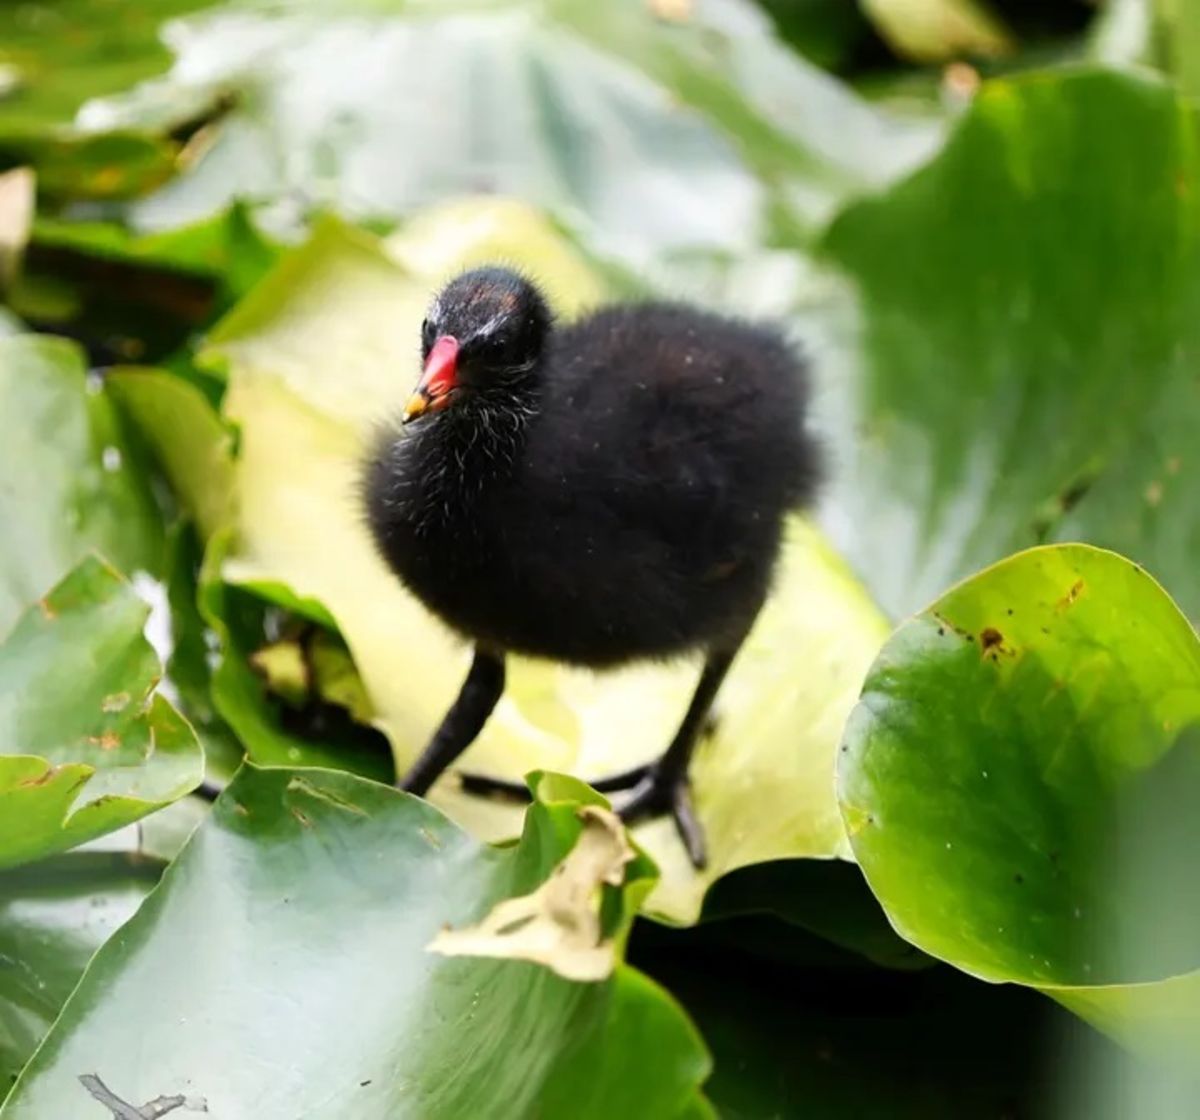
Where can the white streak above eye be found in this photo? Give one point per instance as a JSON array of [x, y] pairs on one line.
[[490, 327]]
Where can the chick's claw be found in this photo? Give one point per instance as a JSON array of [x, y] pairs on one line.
[[662, 793]]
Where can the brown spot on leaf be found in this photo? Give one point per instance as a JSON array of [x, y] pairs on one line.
[[300, 785], [1072, 595], [945, 624], [1173, 464], [1154, 493], [304, 819], [48, 612], [109, 741], [41, 779], [990, 638]]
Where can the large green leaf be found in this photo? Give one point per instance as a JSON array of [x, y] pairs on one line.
[[329, 889], [59, 54], [1019, 783], [67, 483], [323, 350], [54, 57], [1024, 340], [54, 915], [646, 135], [192, 446], [85, 744], [138, 297], [827, 898]]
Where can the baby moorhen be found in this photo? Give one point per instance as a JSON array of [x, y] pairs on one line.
[[595, 493]]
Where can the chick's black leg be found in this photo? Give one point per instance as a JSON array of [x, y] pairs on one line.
[[664, 788], [462, 723], [657, 788]]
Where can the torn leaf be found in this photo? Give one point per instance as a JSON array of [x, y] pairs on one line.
[[558, 925]]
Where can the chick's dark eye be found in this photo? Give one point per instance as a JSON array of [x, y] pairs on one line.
[[426, 333]]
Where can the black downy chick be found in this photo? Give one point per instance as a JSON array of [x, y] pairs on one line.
[[596, 493]]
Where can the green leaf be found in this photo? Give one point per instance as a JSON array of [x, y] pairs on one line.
[[828, 898], [67, 481], [1018, 783], [1178, 33], [56, 56], [187, 437], [939, 30], [54, 915], [86, 745], [332, 888], [316, 357], [189, 669], [1019, 358], [646, 136], [139, 297], [238, 619], [827, 32], [227, 248], [60, 54], [111, 166]]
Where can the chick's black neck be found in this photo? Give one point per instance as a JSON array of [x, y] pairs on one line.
[[456, 457]]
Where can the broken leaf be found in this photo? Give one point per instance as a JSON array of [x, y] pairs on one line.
[[86, 746], [331, 887], [558, 925]]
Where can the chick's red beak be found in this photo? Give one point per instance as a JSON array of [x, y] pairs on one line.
[[439, 378]]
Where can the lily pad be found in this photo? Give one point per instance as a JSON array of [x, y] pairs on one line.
[[645, 135], [1017, 360], [54, 915], [61, 54], [323, 350], [68, 484], [333, 888], [85, 745], [1017, 783]]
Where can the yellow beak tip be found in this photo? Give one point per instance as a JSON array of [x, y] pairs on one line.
[[417, 405]]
